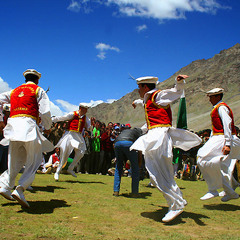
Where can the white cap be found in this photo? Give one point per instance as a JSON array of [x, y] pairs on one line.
[[84, 105], [215, 91], [148, 79], [32, 71]]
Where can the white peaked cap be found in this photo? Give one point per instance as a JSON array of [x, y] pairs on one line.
[[32, 71], [148, 79], [84, 105], [215, 91]]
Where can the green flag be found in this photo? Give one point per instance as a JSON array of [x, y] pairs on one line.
[[181, 123], [182, 113]]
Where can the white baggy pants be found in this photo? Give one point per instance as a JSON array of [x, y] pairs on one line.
[[28, 154]]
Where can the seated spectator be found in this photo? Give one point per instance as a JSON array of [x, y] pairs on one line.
[[52, 163]]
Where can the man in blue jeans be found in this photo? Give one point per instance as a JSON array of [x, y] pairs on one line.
[[122, 152]]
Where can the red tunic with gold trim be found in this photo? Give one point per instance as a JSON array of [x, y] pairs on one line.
[[77, 124], [157, 115], [23, 101], [217, 124]]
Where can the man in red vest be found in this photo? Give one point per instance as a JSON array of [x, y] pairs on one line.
[[28, 103], [72, 139], [157, 143], [217, 158]]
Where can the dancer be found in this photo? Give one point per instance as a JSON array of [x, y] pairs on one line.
[[218, 156], [28, 102], [157, 143], [72, 139]]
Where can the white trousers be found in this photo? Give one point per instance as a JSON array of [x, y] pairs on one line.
[[20, 154], [215, 167], [157, 146], [160, 168], [65, 150]]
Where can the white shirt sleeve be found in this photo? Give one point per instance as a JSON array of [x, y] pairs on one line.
[[226, 121], [138, 101], [168, 96], [44, 108], [4, 98], [66, 117], [144, 128]]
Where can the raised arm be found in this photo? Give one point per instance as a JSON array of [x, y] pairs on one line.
[[168, 96]]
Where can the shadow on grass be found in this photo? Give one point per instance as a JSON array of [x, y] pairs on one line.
[[159, 214], [140, 195], [40, 207], [44, 189], [44, 207], [71, 181], [222, 207]]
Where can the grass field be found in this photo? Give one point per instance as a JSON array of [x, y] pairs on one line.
[[84, 208]]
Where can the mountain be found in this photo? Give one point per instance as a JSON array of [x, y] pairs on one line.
[[222, 70]]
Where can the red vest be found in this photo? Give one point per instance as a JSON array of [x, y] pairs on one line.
[[23, 101], [77, 124], [217, 125], [156, 115], [55, 158]]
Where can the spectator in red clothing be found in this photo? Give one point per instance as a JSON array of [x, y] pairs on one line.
[[106, 151]]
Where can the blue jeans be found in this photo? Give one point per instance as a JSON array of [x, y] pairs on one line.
[[123, 154]]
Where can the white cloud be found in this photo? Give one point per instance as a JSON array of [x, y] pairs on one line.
[[55, 110], [111, 100], [74, 6], [141, 28], [103, 48], [164, 9], [101, 55], [97, 102], [157, 9], [4, 87], [67, 107], [77, 5]]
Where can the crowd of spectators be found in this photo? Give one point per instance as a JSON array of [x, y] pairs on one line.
[[100, 158]]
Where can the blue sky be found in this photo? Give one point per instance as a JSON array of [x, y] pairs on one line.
[[86, 49]]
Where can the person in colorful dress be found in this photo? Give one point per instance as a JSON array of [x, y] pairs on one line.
[[157, 144], [72, 139], [218, 156], [29, 103]]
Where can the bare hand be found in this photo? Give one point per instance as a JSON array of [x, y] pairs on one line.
[[2, 126], [226, 150], [134, 105], [181, 77]]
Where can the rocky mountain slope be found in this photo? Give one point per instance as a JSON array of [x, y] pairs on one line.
[[222, 70]]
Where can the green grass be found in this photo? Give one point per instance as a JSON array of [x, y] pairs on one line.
[[84, 208]]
